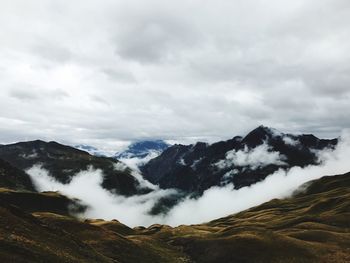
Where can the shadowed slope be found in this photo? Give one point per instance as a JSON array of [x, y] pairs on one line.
[[46, 202], [13, 178]]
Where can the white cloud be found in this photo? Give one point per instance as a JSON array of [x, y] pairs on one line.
[[290, 141], [259, 156], [135, 162], [96, 72], [86, 186]]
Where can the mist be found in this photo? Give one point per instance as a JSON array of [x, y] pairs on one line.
[[135, 162], [216, 202], [86, 186], [259, 156]]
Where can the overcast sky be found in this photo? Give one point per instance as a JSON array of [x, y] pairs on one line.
[[100, 72]]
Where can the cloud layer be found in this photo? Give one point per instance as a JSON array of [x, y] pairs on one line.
[[259, 156], [97, 72], [216, 202], [86, 186]]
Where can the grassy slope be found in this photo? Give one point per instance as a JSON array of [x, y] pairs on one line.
[[313, 226], [54, 236]]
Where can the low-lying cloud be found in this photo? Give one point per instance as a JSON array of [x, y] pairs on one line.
[[259, 156], [216, 202], [86, 186], [136, 162]]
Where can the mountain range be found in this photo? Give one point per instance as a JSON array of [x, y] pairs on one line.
[[190, 169], [310, 226], [65, 162], [242, 161]]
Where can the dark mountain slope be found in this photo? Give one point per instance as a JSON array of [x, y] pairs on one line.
[[13, 178], [312, 226], [52, 202], [63, 162], [195, 168]]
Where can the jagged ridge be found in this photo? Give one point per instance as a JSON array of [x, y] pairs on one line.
[[193, 168]]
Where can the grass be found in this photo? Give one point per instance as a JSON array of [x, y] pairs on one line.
[[312, 226]]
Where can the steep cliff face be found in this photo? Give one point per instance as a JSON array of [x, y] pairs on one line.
[[241, 161]]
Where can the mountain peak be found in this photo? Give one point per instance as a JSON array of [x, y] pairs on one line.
[[258, 136]]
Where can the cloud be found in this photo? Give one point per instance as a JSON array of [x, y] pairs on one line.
[[52, 52], [29, 93], [216, 202], [23, 94], [136, 162], [86, 186], [157, 34], [172, 70], [290, 141], [259, 156]]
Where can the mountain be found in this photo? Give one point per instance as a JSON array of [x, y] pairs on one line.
[[64, 162], [140, 152], [311, 226], [242, 161], [141, 149], [13, 178]]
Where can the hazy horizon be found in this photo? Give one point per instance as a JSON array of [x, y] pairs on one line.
[[120, 145]]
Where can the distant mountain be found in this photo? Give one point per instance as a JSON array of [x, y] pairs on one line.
[[242, 161], [141, 149], [140, 152], [63, 162]]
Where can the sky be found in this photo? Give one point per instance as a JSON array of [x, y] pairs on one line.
[[105, 72]]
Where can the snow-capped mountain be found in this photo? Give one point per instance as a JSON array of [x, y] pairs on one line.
[[141, 149], [140, 152]]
